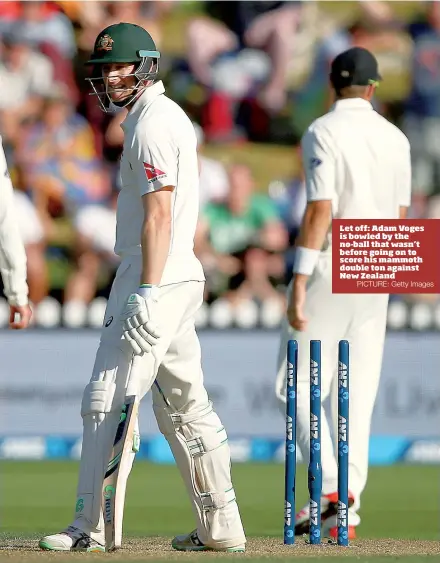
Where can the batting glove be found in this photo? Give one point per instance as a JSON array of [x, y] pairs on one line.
[[138, 327]]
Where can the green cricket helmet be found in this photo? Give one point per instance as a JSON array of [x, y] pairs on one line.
[[123, 43]]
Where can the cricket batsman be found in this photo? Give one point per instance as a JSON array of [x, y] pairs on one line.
[[12, 253], [149, 334], [356, 165]]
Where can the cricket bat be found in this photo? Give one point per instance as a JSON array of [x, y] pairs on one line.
[[115, 480]]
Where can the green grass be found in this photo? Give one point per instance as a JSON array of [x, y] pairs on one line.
[[38, 497], [372, 559], [357, 559]]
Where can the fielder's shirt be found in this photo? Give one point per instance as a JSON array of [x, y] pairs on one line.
[[160, 150], [359, 160]]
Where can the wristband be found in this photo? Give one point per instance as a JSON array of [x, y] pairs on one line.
[[305, 260], [145, 290]]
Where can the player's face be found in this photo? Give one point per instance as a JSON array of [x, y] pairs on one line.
[[241, 187], [119, 80], [56, 113], [15, 54]]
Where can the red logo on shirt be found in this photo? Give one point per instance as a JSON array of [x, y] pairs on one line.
[[152, 172]]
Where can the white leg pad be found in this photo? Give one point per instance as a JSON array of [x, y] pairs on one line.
[[199, 443], [100, 420], [97, 397]]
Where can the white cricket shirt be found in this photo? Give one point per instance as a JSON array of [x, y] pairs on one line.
[[360, 161], [12, 253], [160, 150]]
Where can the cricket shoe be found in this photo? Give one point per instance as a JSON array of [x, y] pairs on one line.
[[333, 532], [329, 508], [72, 539], [191, 542]]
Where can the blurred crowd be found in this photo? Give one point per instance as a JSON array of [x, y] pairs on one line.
[[248, 73]]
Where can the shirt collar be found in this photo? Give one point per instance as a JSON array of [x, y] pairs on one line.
[[148, 95], [351, 103]]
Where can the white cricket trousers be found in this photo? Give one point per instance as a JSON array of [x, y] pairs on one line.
[[181, 405], [360, 319]]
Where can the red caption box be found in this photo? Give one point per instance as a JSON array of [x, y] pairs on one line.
[[386, 256]]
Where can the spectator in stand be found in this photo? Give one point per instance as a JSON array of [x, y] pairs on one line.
[[28, 77], [41, 23], [232, 27], [34, 240], [290, 199], [242, 240], [46, 29], [421, 121], [95, 237], [63, 174], [213, 180], [372, 30], [91, 16], [145, 14]]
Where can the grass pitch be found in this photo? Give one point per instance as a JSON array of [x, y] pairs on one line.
[[400, 513]]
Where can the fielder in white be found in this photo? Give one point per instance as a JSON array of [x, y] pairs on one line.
[[149, 333], [357, 165], [12, 253]]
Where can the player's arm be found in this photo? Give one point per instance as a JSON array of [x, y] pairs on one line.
[[12, 253], [156, 234], [154, 163], [156, 175], [319, 169], [404, 179], [314, 227], [319, 162]]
